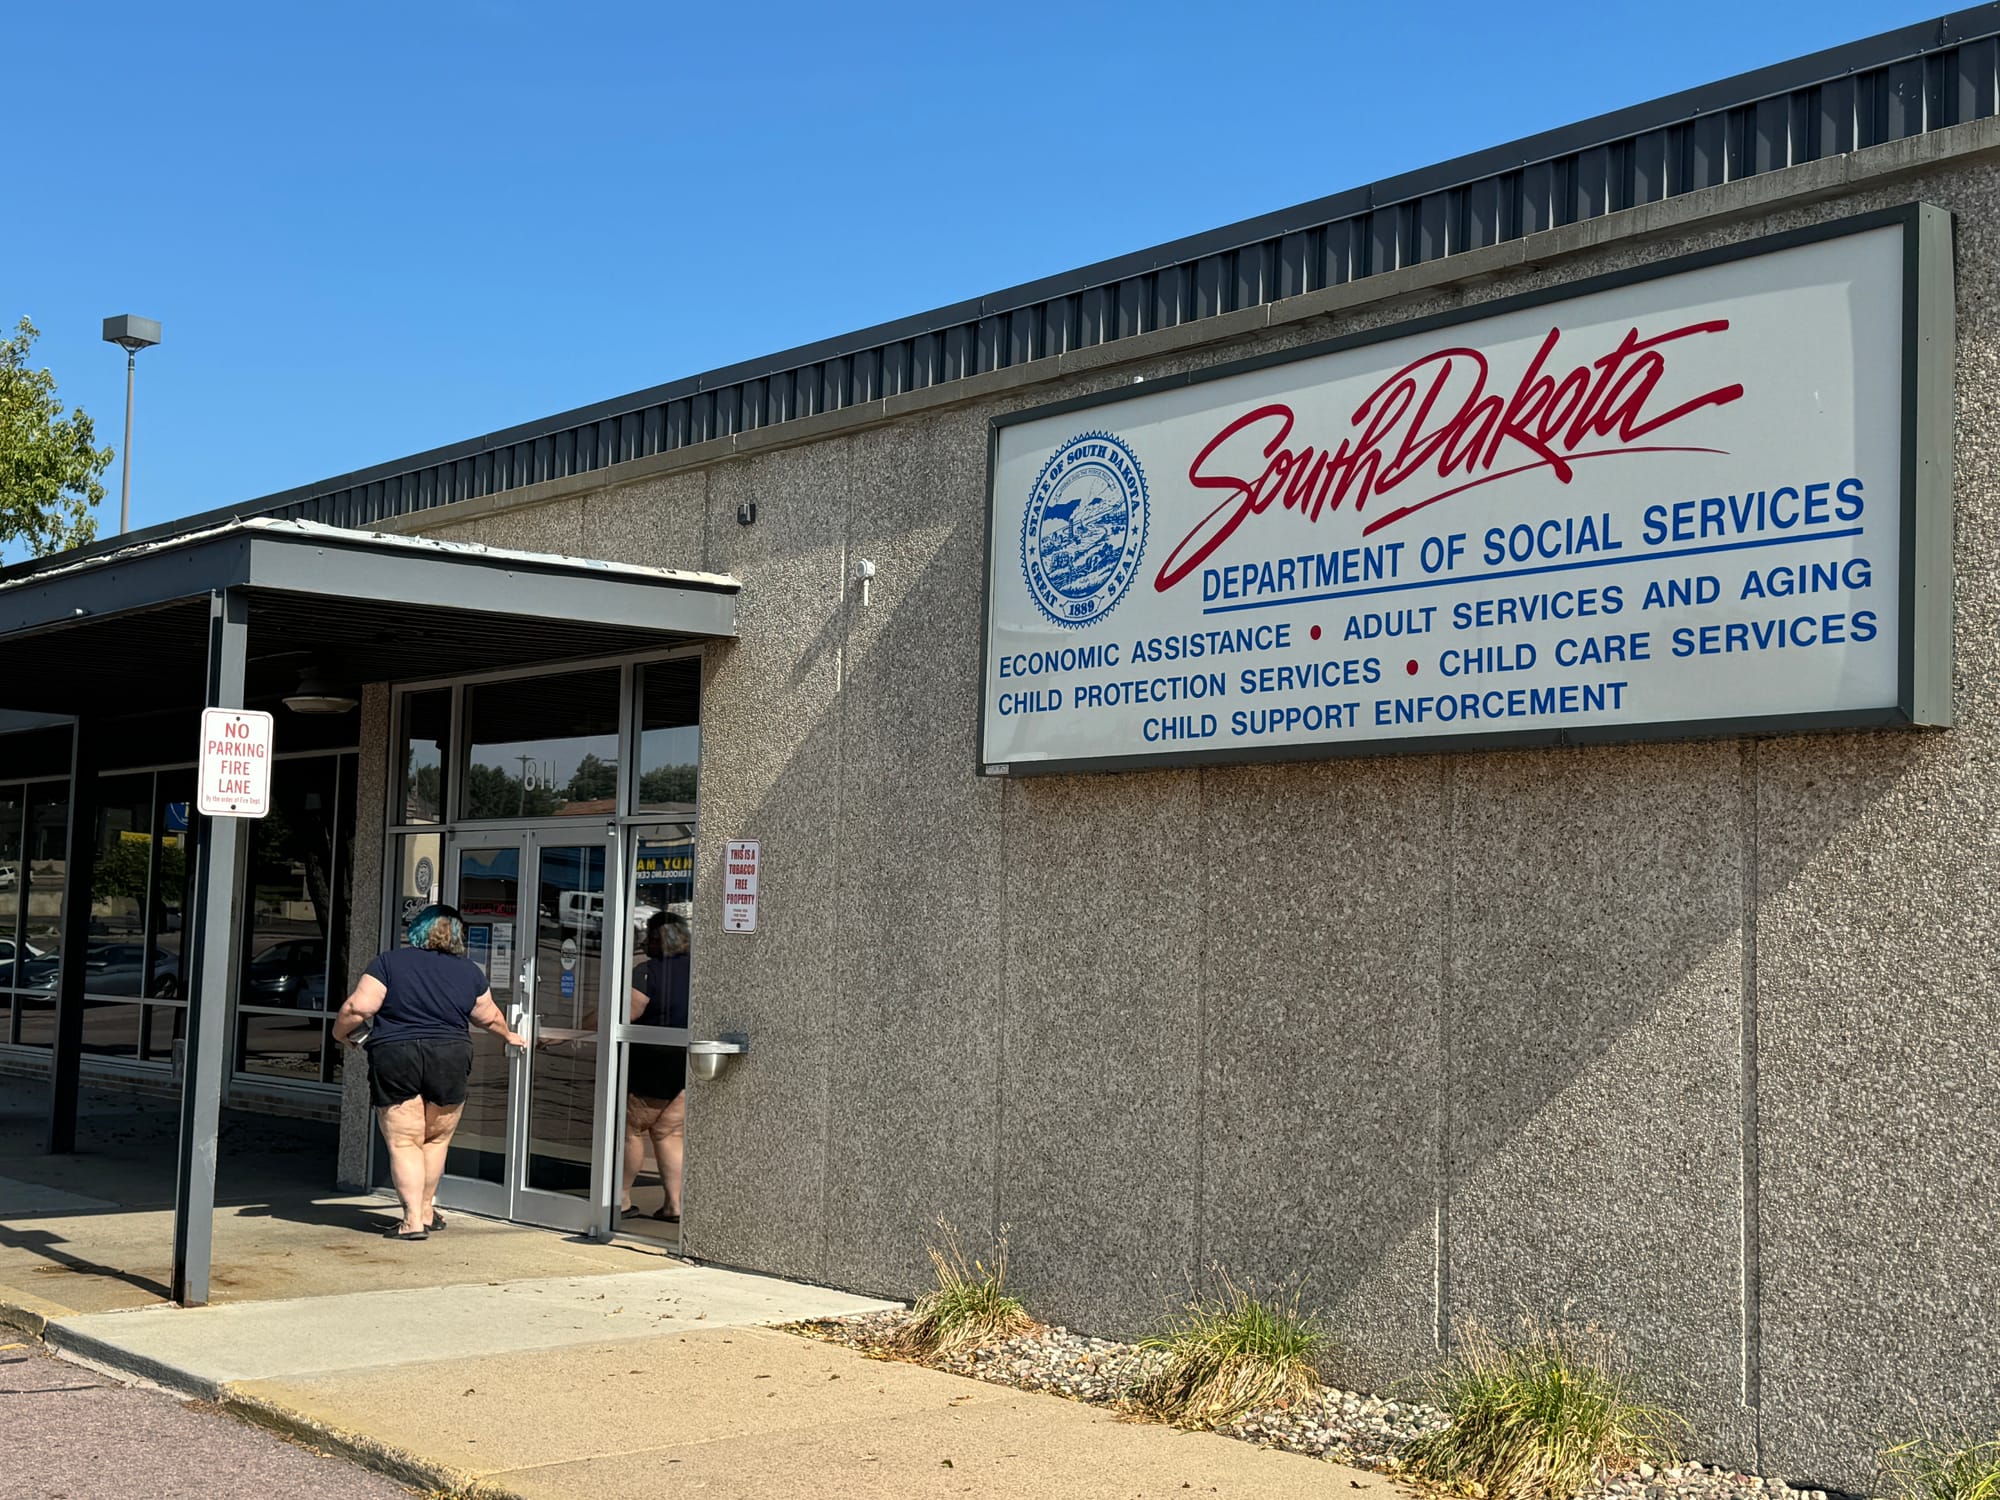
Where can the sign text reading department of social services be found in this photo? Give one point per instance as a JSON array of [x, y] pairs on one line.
[[1676, 501]]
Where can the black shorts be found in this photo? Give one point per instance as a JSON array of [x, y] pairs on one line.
[[434, 1068]]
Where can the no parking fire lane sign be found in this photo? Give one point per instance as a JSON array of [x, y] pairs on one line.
[[235, 774]]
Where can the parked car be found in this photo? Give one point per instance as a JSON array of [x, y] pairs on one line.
[[26, 955], [110, 967], [291, 973]]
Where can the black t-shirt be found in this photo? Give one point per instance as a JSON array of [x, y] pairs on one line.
[[660, 1072], [431, 994]]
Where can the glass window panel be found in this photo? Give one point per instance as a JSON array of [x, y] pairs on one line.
[[660, 898], [669, 734], [41, 941], [36, 1016], [111, 1028], [163, 1026], [291, 891], [569, 973], [656, 1127], [337, 977], [279, 1045], [426, 729], [543, 746], [176, 792], [419, 861], [489, 894], [121, 866], [13, 882]]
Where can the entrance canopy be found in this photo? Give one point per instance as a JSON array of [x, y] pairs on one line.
[[128, 632], [131, 644]]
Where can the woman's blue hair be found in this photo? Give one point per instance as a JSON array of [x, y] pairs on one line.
[[438, 927]]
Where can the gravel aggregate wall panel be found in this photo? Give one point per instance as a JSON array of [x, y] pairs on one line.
[[770, 753], [1594, 1038], [554, 527], [918, 960], [1323, 919], [657, 523], [1880, 1124], [1099, 1102], [1876, 987]]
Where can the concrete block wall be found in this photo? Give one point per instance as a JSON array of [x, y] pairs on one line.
[[1695, 1040]]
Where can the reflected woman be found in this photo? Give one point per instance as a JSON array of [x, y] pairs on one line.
[[656, 1076], [422, 999]]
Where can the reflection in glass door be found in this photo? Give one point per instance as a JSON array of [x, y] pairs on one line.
[[487, 892], [568, 980], [653, 1031], [535, 918]]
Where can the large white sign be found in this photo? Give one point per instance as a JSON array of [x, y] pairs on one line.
[[1673, 502], [235, 763]]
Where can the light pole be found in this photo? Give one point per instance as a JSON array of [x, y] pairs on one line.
[[131, 334]]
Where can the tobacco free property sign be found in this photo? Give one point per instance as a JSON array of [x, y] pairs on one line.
[[235, 771], [1708, 496]]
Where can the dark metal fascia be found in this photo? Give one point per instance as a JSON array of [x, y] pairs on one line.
[[472, 583], [117, 586]]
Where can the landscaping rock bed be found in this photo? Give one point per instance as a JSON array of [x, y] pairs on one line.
[[1344, 1426]]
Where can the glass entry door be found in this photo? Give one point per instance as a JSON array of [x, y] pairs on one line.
[[536, 910]]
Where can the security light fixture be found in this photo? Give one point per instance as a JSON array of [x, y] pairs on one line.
[[130, 333], [316, 695]]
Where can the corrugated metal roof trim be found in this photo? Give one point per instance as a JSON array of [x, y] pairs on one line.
[[1902, 83]]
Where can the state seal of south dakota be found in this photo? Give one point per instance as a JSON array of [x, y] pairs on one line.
[[1085, 529]]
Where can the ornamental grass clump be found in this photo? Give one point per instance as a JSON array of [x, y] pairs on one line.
[[1228, 1352], [1943, 1464], [1540, 1417], [970, 1305]]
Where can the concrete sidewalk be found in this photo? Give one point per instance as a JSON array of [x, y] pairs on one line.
[[93, 1230], [637, 1383]]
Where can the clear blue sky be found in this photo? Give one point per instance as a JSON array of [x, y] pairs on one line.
[[371, 229]]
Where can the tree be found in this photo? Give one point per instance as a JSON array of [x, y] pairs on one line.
[[491, 793], [594, 779], [48, 468], [665, 784]]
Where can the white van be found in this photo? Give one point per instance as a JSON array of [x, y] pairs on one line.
[[583, 910]]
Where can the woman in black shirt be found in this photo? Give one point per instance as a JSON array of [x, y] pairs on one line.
[[420, 1053], [656, 1075]]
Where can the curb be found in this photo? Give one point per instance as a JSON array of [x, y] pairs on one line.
[[357, 1448], [22, 1319], [361, 1450], [111, 1358]]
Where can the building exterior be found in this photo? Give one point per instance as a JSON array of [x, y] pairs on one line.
[[1677, 1016]]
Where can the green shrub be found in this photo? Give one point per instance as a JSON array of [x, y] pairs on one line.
[[971, 1304], [1229, 1351], [1946, 1464], [1540, 1417]]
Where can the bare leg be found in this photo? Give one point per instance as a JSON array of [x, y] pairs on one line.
[[403, 1133], [635, 1158], [670, 1148], [440, 1120]]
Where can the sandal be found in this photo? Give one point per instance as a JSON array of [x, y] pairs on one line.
[[663, 1216], [395, 1232], [436, 1225]]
